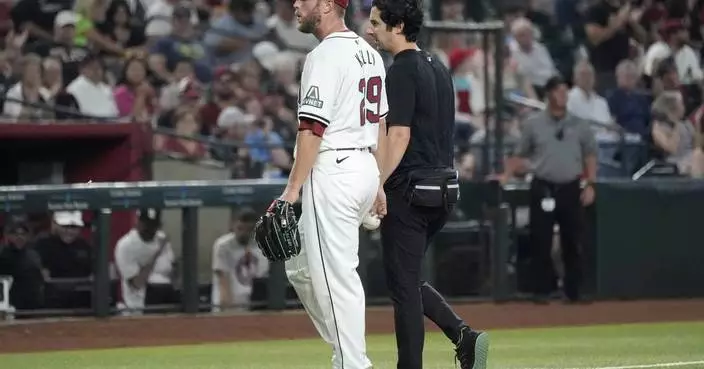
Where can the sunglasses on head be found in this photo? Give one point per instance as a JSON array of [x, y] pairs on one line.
[[560, 134]]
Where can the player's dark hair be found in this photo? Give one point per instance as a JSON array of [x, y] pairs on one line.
[[408, 12], [246, 215]]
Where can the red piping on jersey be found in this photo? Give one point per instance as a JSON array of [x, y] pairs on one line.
[[311, 125]]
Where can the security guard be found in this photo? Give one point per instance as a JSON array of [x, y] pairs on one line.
[[420, 184], [558, 148]]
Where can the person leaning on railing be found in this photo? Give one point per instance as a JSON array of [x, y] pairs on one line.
[[675, 139]]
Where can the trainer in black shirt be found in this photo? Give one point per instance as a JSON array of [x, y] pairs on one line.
[[420, 184]]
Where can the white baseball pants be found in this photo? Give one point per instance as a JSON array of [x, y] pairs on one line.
[[339, 192]]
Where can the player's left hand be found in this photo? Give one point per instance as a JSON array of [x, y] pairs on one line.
[[379, 207], [588, 195], [289, 196]]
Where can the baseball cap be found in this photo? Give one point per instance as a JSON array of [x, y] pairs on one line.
[[149, 215], [69, 219], [233, 116], [65, 18], [342, 3]]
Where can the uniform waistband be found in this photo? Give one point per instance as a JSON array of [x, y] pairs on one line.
[[367, 149]]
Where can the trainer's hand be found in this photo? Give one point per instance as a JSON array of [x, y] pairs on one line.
[[379, 207]]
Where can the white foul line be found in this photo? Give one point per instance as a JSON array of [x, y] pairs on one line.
[[644, 366]]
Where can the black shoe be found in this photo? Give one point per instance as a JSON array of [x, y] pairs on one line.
[[472, 349]]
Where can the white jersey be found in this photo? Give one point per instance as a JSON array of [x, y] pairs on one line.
[[132, 254], [342, 87], [240, 264]]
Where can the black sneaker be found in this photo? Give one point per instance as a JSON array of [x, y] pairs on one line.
[[472, 349]]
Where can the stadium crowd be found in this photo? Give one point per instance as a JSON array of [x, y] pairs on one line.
[[217, 80]]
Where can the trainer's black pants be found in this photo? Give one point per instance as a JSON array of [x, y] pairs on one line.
[[568, 214], [406, 232]]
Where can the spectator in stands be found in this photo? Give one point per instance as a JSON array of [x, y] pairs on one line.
[[609, 27], [533, 59], [285, 123], [187, 125], [23, 264], [284, 75], [629, 106], [189, 97], [237, 261], [181, 44], [232, 36], [466, 166], [284, 27], [160, 16], [61, 45], [119, 27], [134, 96], [37, 16], [464, 81], [674, 43], [66, 255], [674, 137], [90, 13], [145, 261], [514, 81], [452, 10], [666, 77], [94, 97], [53, 76], [171, 92], [222, 95], [583, 101], [266, 146], [28, 99]]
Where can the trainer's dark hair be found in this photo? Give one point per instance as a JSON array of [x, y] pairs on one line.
[[245, 215], [408, 12]]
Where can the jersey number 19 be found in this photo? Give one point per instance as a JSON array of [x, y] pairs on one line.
[[371, 90]]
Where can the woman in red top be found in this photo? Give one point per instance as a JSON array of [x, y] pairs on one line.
[[186, 125]]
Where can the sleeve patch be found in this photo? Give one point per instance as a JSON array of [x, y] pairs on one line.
[[312, 98]]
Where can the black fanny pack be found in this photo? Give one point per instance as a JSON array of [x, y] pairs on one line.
[[433, 188]]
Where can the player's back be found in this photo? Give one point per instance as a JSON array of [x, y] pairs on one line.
[[343, 86]]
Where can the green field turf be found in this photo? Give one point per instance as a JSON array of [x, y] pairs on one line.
[[676, 345]]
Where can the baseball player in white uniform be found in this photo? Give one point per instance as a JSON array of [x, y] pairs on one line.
[[341, 110], [237, 261]]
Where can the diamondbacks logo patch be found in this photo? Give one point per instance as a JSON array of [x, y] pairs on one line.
[[313, 98]]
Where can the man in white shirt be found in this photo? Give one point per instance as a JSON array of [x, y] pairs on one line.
[[237, 261], [94, 97], [534, 60], [583, 101], [675, 38], [145, 262]]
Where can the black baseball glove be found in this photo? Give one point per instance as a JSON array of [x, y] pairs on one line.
[[276, 232]]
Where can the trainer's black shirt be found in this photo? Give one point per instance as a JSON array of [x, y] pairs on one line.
[[421, 96]]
